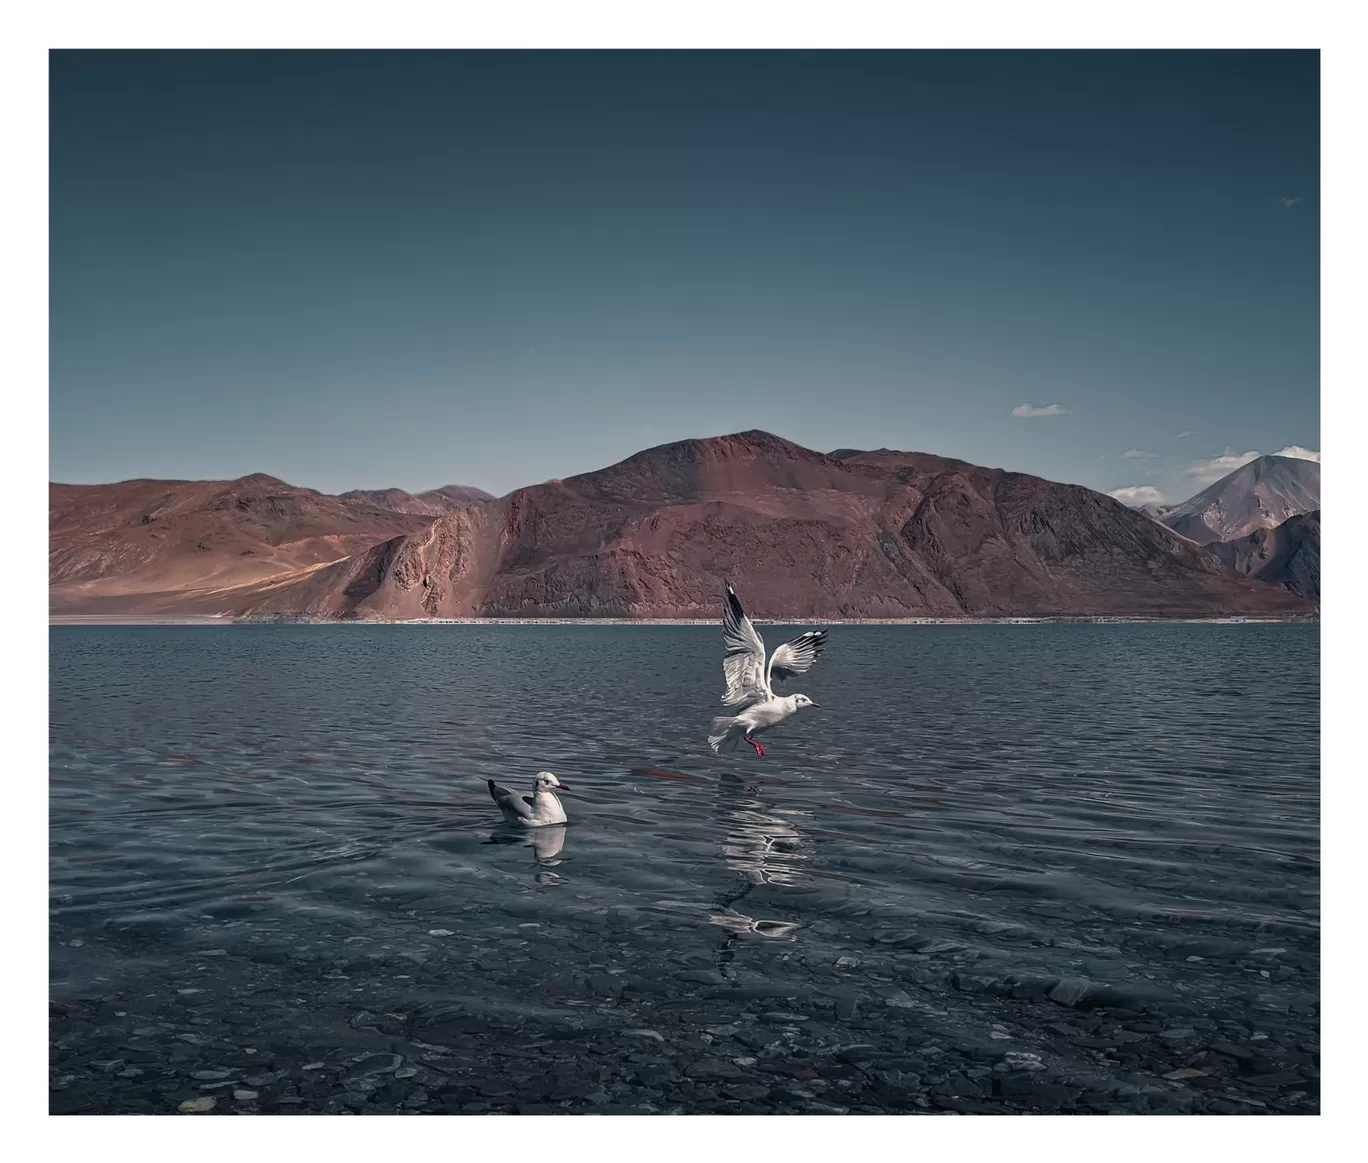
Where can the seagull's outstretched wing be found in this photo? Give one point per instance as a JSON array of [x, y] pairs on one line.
[[797, 656], [744, 664], [510, 802]]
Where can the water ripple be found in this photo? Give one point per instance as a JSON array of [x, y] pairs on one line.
[[1118, 801]]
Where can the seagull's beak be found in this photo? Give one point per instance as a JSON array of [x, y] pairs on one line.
[[560, 784], [817, 705]]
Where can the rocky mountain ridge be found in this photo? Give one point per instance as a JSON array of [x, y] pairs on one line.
[[432, 503], [1288, 555], [1259, 495], [869, 534]]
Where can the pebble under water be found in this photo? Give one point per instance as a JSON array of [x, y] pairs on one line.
[[1004, 869]]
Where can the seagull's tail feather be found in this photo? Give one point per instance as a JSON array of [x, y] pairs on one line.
[[724, 734]]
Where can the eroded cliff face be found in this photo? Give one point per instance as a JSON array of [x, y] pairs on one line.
[[1288, 555], [880, 535], [439, 571]]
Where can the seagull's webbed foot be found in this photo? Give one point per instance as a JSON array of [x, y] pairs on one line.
[[759, 750]]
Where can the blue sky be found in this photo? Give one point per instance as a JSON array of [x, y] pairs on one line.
[[357, 270]]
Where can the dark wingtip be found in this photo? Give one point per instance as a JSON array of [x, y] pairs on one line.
[[734, 603]]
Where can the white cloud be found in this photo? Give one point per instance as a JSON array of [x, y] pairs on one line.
[[1136, 496], [1138, 454], [1213, 468], [1297, 452], [1027, 411], [1185, 435]]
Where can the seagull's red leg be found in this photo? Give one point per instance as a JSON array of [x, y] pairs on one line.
[[759, 751]]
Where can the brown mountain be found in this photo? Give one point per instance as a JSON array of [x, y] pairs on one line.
[[180, 546], [453, 497], [432, 503], [1288, 555], [803, 534]]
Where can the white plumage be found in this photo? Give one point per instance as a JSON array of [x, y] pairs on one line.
[[541, 807], [750, 679]]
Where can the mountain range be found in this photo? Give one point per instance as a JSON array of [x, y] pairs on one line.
[[1287, 555], [803, 534], [1259, 495], [433, 503], [145, 546]]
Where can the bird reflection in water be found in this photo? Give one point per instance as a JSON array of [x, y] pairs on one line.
[[546, 844], [762, 848]]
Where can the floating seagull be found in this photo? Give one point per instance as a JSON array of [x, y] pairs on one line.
[[749, 679], [541, 807]]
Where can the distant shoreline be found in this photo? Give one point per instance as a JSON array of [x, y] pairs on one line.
[[224, 620]]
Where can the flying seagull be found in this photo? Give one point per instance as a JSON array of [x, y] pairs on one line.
[[541, 807], [1288, 203], [750, 679]]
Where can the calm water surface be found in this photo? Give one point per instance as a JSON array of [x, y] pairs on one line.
[[278, 840]]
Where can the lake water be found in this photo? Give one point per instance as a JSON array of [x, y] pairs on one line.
[[1003, 868]]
